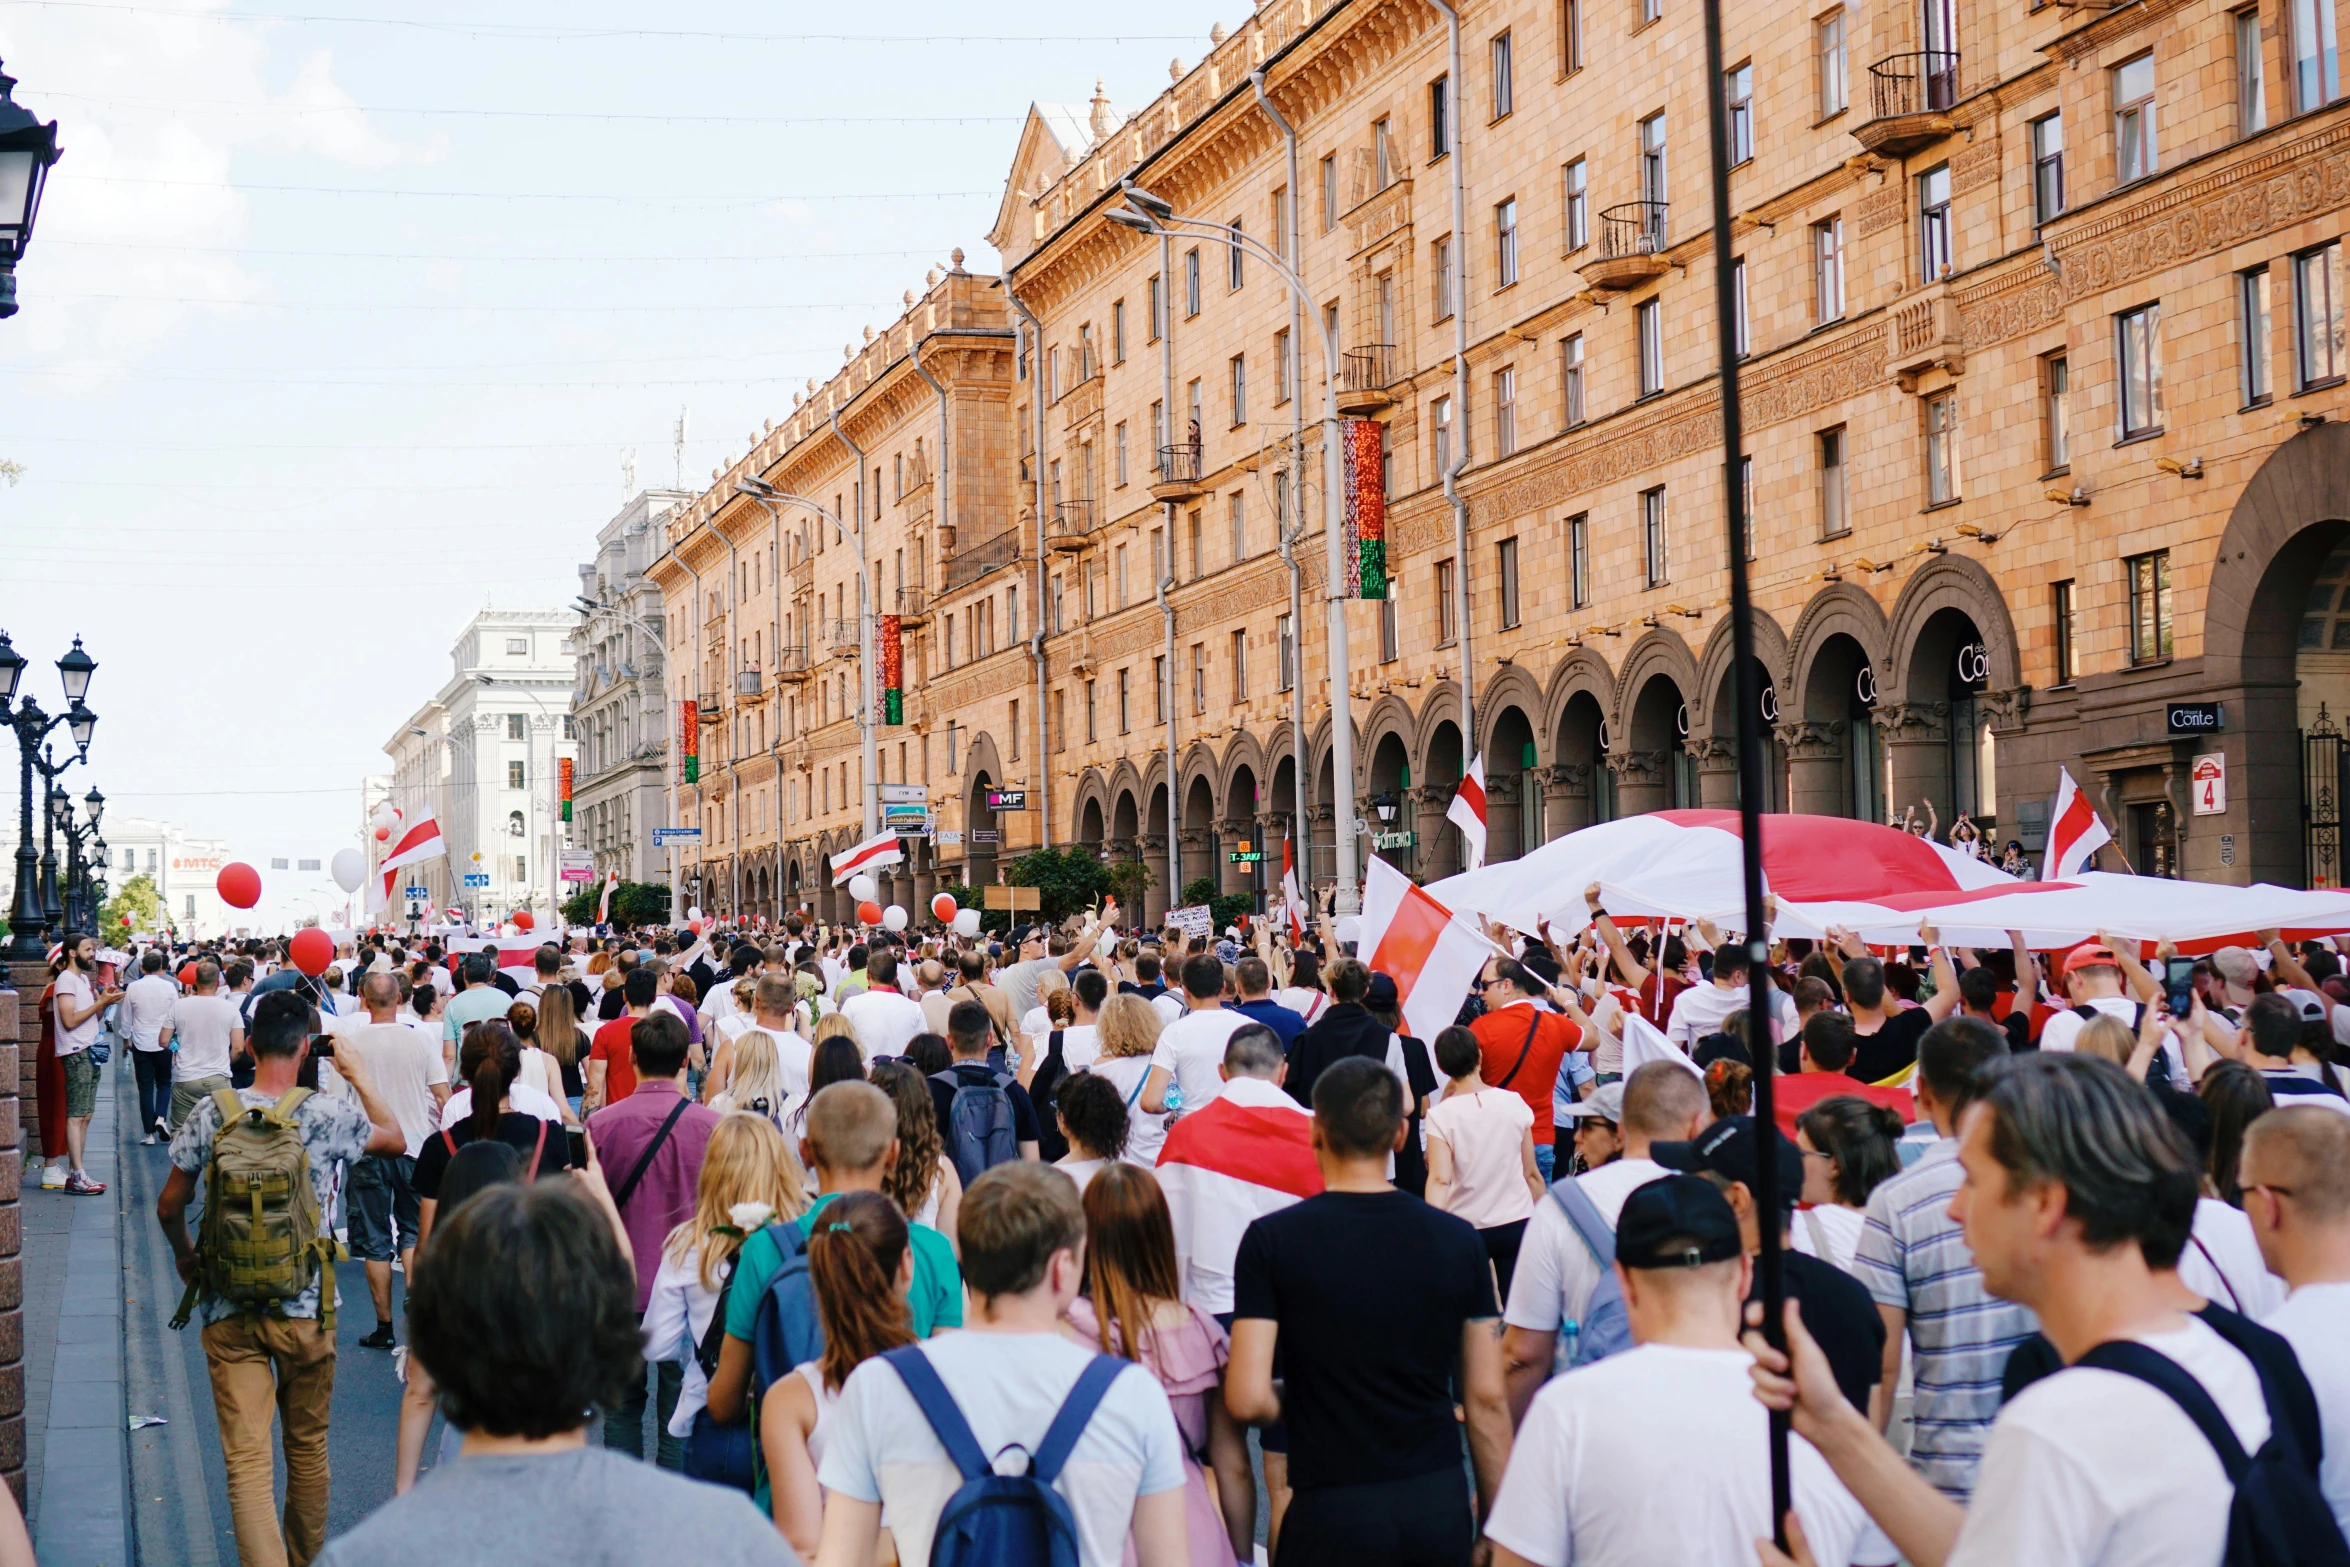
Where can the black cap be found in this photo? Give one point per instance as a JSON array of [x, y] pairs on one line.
[[1382, 994], [1680, 1221], [1732, 1149]]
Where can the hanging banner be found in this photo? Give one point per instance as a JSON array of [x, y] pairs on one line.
[[893, 672], [1366, 510], [689, 742], [563, 784]]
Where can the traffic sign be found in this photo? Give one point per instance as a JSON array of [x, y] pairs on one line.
[[905, 794], [2210, 784], [663, 837], [476, 879], [423, 892], [1248, 856], [1011, 899]]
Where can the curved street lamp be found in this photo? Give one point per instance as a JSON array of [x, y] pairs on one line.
[[27, 149]]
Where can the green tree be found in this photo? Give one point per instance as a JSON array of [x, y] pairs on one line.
[[633, 903], [994, 922], [138, 906], [1129, 879], [1198, 890], [1067, 881]]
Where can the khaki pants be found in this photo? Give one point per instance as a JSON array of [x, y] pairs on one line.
[[186, 1096], [283, 1366]]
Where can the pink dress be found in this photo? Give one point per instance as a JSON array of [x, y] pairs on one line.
[[1188, 1359]]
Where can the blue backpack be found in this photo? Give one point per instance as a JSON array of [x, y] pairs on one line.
[[1606, 1328], [999, 1520], [788, 1331], [981, 1131]]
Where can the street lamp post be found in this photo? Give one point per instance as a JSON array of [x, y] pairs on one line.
[[26, 917], [27, 149], [1154, 215]]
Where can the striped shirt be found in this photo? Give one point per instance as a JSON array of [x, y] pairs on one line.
[[1913, 1257]]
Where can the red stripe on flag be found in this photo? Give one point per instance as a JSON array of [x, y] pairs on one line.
[[1474, 792], [1408, 941], [1269, 1148]]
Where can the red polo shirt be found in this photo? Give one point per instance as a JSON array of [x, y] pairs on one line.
[[1502, 1038]]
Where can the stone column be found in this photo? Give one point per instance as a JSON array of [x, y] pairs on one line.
[[1158, 900], [1644, 780], [1815, 765], [1505, 821], [1717, 771], [1438, 852], [1566, 798], [1322, 846], [1918, 751], [1196, 844], [20, 1037]]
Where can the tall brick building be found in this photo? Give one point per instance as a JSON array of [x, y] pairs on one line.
[[2044, 318]]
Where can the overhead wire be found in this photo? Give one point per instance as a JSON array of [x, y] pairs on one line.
[[550, 33]]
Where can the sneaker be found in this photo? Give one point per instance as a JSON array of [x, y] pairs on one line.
[[80, 1185], [162, 1127], [52, 1178], [148, 1141], [381, 1338]]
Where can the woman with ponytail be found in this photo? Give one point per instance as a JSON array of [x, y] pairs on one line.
[[489, 1060], [861, 1264]]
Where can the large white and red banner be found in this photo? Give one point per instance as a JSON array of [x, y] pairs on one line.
[[873, 854], [420, 841]]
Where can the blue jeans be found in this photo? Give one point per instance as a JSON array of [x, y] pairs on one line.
[[624, 1423], [1545, 1160], [154, 1072]]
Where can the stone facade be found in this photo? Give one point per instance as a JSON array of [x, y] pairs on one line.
[[2032, 449], [620, 789]]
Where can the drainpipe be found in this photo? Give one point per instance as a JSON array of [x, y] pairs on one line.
[[734, 841], [938, 517], [1044, 756], [869, 754], [1292, 530], [1460, 376], [693, 682]]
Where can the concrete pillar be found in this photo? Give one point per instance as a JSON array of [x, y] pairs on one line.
[[1197, 845], [1322, 847], [1815, 765], [1505, 816], [1158, 899], [1566, 799], [1717, 772], [1644, 781], [1918, 757], [1438, 853]]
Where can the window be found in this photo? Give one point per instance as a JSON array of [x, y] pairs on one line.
[[1199, 678], [1192, 430], [1239, 378], [1383, 305], [1199, 563], [2056, 415], [1740, 343], [1439, 124], [1652, 536], [1440, 432], [1014, 756], [1125, 701], [1160, 694], [2134, 155], [1239, 666], [515, 778], [1117, 331], [1058, 723], [1011, 616], [1505, 242], [1652, 160], [1827, 53], [1827, 271], [1159, 437], [1238, 510], [1941, 448], [2068, 652], [1390, 644], [2251, 74], [1329, 192], [1284, 369], [2149, 606], [1157, 307], [1576, 183], [1570, 37], [1504, 94], [1934, 224], [1281, 224], [1505, 411], [1285, 656], [1650, 315], [1191, 282], [1835, 519], [1738, 97], [1579, 559], [2317, 315], [1746, 505], [1382, 154], [951, 738], [1232, 257], [1505, 573], [2317, 72], [518, 647], [1092, 729], [2252, 326], [516, 726], [2140, 356], [1118, 572], [2047, 167], [1440, 273], [1118, 453], [1448, 629], [1650, 10]]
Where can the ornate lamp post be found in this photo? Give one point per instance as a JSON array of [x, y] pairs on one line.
[[27, 918], [27, 149]]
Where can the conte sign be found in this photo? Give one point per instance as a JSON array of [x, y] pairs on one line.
[[2186, 719]]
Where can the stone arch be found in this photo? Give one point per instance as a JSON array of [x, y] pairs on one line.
[[1647, 748], [1440, 709], [1713, 717], [1839, 608], [1574, 718], [1771, 651], [1092, 811], [1243, 751], [1513, 685], [1943, 583], [1661, 652], [1199, 765], [1389, 715]]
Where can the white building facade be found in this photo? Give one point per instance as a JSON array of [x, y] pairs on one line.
[[619, 708]]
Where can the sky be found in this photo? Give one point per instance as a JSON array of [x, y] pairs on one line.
[[343, 320]]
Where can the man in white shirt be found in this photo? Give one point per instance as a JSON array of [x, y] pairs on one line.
[[146, 1004], [1556, 1271], [2072, 1176], [1699, 1010], [79, 1003], [411, 1081], [2093, 979], [1247, 1153], [1661, 1454], [1191, 1049], [2296, 1178], [203, 1034], [1021, 980], [886, 1021]]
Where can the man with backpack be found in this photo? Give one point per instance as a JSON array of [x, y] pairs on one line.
[[261, 1278], [985, 1118], [935, 1433]]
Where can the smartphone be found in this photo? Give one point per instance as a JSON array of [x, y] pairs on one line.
[[2179, 985], [322, 1047], [577, 1137]]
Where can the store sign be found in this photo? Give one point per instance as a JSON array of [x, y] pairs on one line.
[[2209, 783], [2190, 719], [1394, 840], [1007, 799]]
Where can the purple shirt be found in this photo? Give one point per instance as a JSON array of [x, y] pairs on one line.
[[664, 1199]]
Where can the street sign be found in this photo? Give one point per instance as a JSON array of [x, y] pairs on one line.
[[950, 837], [1393, 840], [476, 879], [905, 818], [2191, 719], [986, 835], [1007, 799], [663, 837], [2210, 784], [1248, 857], [419, 892], [1011, 899], [578, 865], [905, 794]]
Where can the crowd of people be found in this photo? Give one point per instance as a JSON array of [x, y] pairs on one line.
[[952, 1247]]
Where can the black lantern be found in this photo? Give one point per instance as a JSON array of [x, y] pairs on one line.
[[27, 148], [12, 668], [94, 807], [60, 808], [1387, 807], [79, 723], [74, 672]]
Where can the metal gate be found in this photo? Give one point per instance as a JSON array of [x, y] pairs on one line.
[[2323, 754]]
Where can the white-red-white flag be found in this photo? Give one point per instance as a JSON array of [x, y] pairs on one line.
[[1293, 899], [419, 841], [1467, 812], [604, 903], [2075, 832], [1415, 941], [873, 854]]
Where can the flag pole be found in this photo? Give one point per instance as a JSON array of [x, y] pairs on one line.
[[1746, 692]]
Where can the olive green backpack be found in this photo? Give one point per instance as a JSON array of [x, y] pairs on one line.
[[263, 1240]]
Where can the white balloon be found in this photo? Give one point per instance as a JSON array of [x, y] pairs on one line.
[[693, 912], [349, 867], [864, 888], [893, 918], [966, 922]]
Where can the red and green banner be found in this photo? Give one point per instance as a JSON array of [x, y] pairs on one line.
[[689, 741], [563, 784], [893, 672], [1366, 509]]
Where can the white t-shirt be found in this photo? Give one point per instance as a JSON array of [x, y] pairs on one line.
[[2091, 1468], [885, 1021], [1556, 1271], [1308, 1004], [1486, 1131], [1192, 1048], [880, 1448], [1146, 1133], [402, 1069], [1659, 1454], [521, 1097], [2064, 1027], [74, 986], [2311, 1320], [1699, 1011], [1081, 1045], [2222, 1262], [200, 1029], [1168, 1004], [1835, 1224], [146, 1002]]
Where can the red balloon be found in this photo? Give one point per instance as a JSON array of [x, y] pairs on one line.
[[868, 913], [383, 835], [942, 908], [239, 885], [522, 919], [312, 950]]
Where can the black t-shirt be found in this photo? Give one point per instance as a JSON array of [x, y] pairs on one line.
[[516, 1130], [1890, 1049], [1840, 1314], [1370, 1290], [978, 1075]]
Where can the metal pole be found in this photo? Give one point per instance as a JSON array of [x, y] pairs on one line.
[[1746, 693], [1163, 578], [24, 914], [1037, 383], [869, 754], [1458, 91]]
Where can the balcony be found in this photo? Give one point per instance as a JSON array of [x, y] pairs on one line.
[[750, 687], [1365, 373], [1926, 335], [840, 634], [1178, 478], [1910, 98], [791, 664], [1071, 529], [913, 606], [1082, 402], [1631, 246], [968, 566], [712, 705]]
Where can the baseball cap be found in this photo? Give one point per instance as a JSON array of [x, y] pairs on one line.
[[1606, 1104], [1381, 993], [1732, 1149], [2090, 954], [2236, 965], [1677, 1222]]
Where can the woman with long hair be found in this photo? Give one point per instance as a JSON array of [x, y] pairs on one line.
[[489, 1060], [750, 1178], [565, 1043], [1128, 1032], [834, 1025], [924, 1181], [861, 1262], [1133, 1307], [835, 1060], [1094, 1119], [538, 1067], [1848, 1148], [2222, 1261]]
